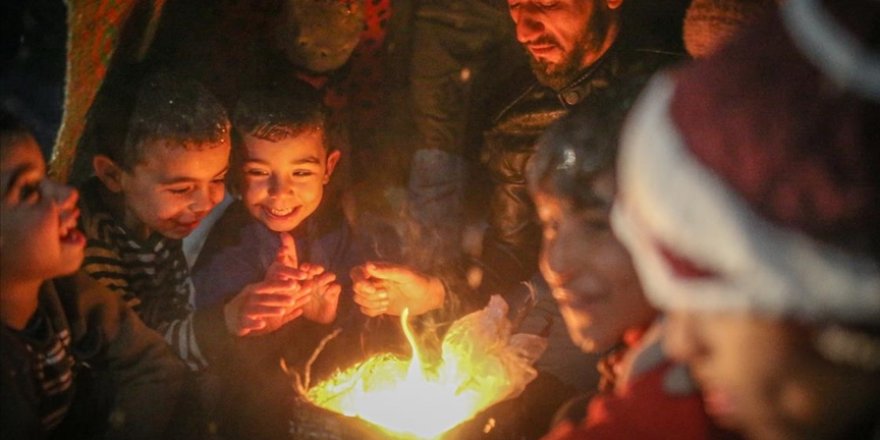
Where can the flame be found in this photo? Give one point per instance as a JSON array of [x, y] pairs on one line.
[[480, 365]]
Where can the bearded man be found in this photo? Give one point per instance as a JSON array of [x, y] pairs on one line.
[[579, 52]]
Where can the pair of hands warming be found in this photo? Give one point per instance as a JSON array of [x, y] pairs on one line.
[[384, 288], [288, 291]]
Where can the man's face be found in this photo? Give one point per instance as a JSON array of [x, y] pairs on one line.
[[590, 272], [38, 235], [173, 188], [559, 35], [760, 375], [284, 181]]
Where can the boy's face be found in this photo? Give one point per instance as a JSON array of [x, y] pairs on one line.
[[173, 188], [38, 235], [590, 272], [761, 375], [284, 181]]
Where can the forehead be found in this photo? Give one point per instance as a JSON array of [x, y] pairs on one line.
[[170, 160], [23, 152], [302, 146]]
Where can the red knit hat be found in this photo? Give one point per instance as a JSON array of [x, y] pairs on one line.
[[708, 24], [751, 180]]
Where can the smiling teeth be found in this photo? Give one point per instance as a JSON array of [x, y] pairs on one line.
[[280, 212]]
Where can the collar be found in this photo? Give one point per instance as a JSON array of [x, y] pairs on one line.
[[581, 86]]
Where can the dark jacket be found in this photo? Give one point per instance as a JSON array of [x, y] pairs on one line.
[[126, 380], [513, 239]]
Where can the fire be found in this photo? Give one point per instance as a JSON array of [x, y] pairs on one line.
[[481, 364]]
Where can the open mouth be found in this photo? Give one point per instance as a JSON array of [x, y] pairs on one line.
[[68, 233], [280, 213]]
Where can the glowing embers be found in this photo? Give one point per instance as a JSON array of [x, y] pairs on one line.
[[481, 364]]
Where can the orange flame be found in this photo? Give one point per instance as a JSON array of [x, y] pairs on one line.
[[481, 365]]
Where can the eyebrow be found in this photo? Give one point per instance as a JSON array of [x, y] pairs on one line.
[[305, 160], [17, 175]]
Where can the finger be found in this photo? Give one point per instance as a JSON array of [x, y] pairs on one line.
[[274, 299], [287, 250], [312, 269], [358, 273], [364, 288], [371, 312], [388, 271], [247, 325], [283, 272], [371, 301], [274, 286], [254, 311], [291, 315]]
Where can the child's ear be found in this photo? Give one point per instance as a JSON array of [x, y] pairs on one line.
[[332, 160], [108, 171]]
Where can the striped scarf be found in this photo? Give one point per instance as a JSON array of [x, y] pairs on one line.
[[151, 275], [52, 366]]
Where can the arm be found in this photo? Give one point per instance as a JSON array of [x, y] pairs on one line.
[[146, 375]]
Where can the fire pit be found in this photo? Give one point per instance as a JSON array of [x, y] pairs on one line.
[[481, 364]]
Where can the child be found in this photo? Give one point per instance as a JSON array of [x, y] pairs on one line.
[[149, 193], [280, 228], [67, 342], [282, 166], [643, 395], [749, 200]]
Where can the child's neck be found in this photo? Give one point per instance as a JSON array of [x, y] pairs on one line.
[[140, 230], [115, 204], [18, 303]]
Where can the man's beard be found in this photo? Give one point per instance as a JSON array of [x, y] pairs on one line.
[[558, 75]]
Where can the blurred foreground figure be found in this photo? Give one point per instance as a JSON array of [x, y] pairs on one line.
[[749, 200], [643, 394]]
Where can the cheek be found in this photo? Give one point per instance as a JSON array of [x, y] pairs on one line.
[[166, 207], [255, 191]]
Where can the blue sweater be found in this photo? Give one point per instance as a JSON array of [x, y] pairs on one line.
[[239, 250]]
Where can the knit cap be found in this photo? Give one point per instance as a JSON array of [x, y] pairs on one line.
[[750, 180], [708, 24]]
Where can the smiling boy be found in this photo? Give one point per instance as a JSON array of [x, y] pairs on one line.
[[149, 193], [280, 227]]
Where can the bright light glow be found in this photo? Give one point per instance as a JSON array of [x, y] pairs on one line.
[[481, 365]]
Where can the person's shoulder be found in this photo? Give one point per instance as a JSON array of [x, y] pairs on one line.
[[643, 59]]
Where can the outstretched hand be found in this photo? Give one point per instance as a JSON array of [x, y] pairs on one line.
[[312, 280], [385, 288], [264, 307]]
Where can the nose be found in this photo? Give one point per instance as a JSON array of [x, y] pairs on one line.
[[554, 263], [202, 201], [528, 25], [681, 336], [65, 196], [280, 185]]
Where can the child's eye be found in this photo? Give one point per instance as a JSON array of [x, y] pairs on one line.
[[180, 190], [256, 172], [31, 192], [303, 173]]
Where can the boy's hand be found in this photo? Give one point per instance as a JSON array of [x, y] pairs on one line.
[[325, 294], [312, 280], [384, 288], [264, 307]]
